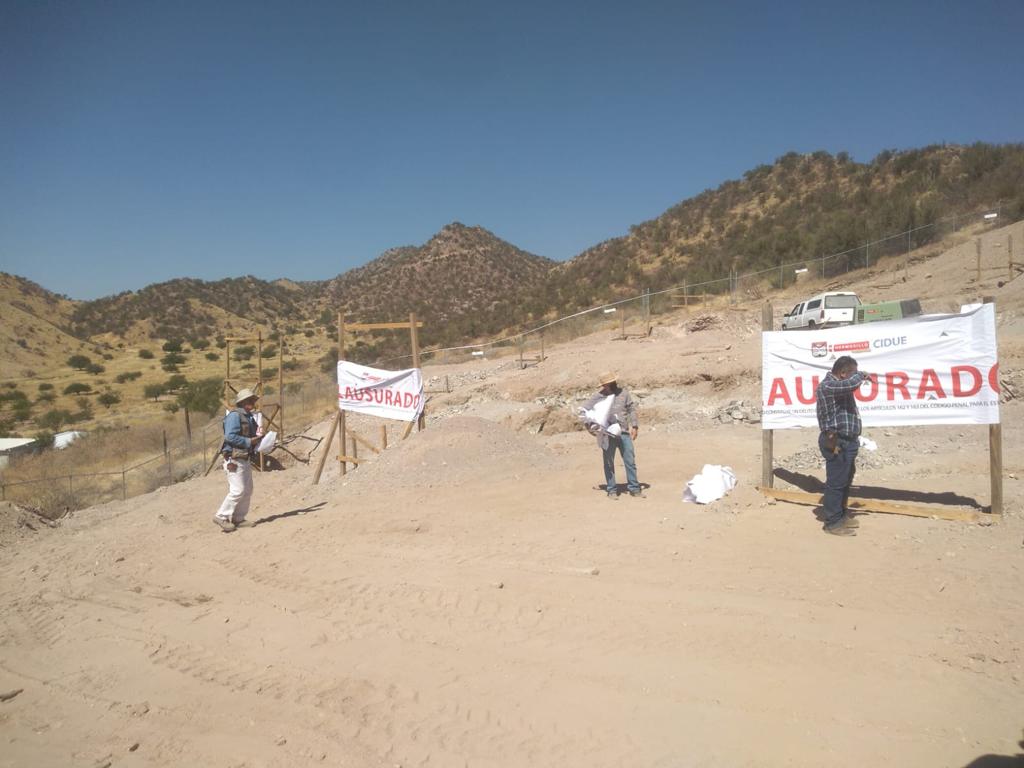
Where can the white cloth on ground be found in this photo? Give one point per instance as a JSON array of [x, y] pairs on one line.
[[713, 482], [868, 444]]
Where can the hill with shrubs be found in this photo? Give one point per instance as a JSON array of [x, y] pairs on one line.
[[467, 284]]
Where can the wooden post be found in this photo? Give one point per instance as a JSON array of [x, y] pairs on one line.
[[622, 321], [1009, 257], [124, 484], [167, 458], [977, 243], [995, 455], [383, 436], [280, 386], [519, 343], [414, 338], [355, 447], [767, 435], [259, 363], [541, 357], [342, 436], [686, 295], [327, 448], [188, 428]]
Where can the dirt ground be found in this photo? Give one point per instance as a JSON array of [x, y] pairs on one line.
[[471, 598]]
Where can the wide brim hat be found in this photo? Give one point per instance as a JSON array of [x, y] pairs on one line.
[[608, 378], [245, 394]]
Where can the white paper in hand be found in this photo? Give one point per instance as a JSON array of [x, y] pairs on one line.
[[268, 442]]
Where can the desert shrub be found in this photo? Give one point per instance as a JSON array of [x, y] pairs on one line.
[[177, 381], [269, 373], [54, 419], [248, 366], [171, 407], [124, 378], [153, 391], [77, 388], [78, 362], [95, 369], [23, 343], [309, 333], [201, 396], [108, 399], [46, 397], [84, 409], [45, 386], [291, 365], [212, 356], [200, 344], [146, 354], [329, 360], [172, 346], [171, 362], [13, 396], [274, 336], [270, 351], [107, 356], [243, 352]]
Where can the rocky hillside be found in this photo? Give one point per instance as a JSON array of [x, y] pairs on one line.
[[463, 282], [802, 206]]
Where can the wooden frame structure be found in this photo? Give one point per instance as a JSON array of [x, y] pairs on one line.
[[339, 424], [645, 317], [995, 454], [521, 346], [685, 297], [275, 419]]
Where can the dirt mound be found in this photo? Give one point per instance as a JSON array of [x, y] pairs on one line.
[[461, 450], [19, 522]]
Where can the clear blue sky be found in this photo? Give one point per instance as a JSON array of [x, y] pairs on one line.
[[141, 140]]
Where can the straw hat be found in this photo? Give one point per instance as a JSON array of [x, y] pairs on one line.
[[245, 394], [608, 378]]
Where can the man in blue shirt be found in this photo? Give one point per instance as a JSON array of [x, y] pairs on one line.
[[241, 437], [839, 440]]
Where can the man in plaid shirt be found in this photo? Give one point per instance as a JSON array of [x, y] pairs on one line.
[[839, 440]]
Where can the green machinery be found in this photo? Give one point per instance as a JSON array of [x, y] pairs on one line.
[[888, 310]]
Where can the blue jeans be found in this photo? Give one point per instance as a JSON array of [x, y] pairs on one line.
[[839, 471], [624, 444]]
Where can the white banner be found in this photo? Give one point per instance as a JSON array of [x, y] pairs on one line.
[[933, 369], [387, 394]]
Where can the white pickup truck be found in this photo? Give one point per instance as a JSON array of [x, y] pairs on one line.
[[825, 310]]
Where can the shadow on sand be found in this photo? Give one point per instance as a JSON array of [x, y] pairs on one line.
[[813, 484], [289, 513]]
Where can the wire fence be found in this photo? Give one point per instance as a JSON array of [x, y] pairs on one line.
[[55, 482], [625, 315], [68, 480]]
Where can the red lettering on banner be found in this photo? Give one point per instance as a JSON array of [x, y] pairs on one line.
[[389, 397], [872, 392], [406, 400], [896, 382], [930, 383], [958, 388], [993, 378], [800, 390], [779, 391]]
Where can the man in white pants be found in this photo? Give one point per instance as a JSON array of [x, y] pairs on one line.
[[241, 436]]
